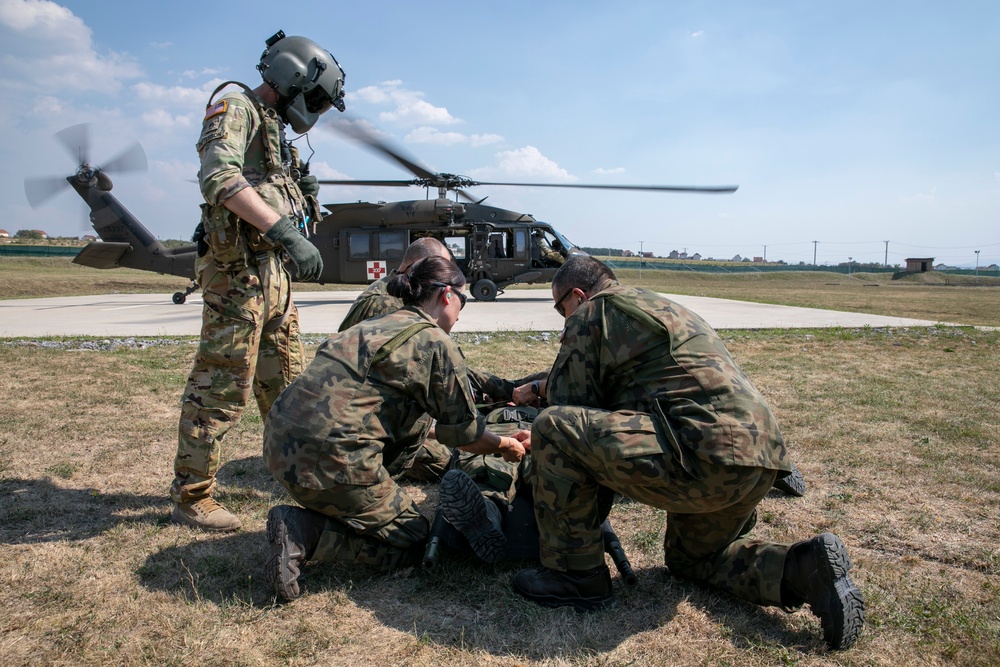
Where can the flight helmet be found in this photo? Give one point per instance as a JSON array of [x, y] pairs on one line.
[[306, 77]]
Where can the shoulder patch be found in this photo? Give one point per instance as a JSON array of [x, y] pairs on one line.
[[216, 109]]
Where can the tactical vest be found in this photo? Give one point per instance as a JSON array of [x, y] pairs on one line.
[[234, 242]]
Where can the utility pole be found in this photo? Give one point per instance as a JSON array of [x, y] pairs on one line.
[[641, 259], [885, 265], [765, 254], [850, 260], [977, 267], [814, 252]]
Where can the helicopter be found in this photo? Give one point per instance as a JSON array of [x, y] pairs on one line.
[[360, 241]]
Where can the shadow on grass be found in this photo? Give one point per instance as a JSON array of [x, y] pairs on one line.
[[36, 511], [462, 604]]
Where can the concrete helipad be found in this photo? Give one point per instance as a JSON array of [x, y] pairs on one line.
[[322, 312]]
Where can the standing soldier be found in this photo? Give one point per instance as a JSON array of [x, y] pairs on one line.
[[648, 402], [251, 223]]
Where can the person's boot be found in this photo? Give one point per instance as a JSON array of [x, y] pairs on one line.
[[293, 533], [585, 590], [206, 514], [476, 517], [816, 574], [792, 485]]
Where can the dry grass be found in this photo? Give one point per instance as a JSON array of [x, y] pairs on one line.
[[896, 433]]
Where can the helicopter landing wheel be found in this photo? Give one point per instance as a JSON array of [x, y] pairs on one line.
[[484, 290], [179, 298]]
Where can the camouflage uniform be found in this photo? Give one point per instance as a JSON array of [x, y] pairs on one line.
[[358, 406], [250, 327], [649, 403], [428, 460]]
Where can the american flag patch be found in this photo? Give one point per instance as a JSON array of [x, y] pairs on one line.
[[216, 109]]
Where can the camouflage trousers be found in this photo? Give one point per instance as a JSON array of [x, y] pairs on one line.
[[379, 524], [576, 450], [249, 340]]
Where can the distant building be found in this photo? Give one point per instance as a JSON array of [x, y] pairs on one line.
[[41, 234], [88, 237], [696, 257], [627, 253], [4, 234], [737, 258], [648, 255], [759, 260], [674, 255], [919, 264]]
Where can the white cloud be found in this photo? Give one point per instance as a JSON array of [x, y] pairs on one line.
[[527, 162], [920, 197], [430, 135], [176, 96], [697, 33], [409, 107], [49, 48], [477, 140], [600, 171], [161, 119]]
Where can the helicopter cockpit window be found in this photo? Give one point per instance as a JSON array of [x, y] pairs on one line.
[[391, 245], [359, 245]]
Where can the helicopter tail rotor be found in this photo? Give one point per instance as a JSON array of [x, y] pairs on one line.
[[76, 140]]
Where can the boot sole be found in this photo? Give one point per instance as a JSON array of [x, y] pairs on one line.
[[463, 505], [844, 616], [793, 485], [281, 574]]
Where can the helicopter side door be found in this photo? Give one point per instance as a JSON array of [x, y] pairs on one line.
[[369, 254]]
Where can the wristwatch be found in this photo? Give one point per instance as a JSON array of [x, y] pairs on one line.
[[534, 389]]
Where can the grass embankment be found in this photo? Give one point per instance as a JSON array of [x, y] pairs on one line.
[[896, 433]]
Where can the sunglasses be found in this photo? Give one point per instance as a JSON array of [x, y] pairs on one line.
[[558, 306], [461, 296]]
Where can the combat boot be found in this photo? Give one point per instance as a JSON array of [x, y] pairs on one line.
[[293, 533], [585, 590], [476, 517], [206, 514], [816, 574], [793, 485]]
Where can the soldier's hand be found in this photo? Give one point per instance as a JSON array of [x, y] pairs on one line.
[[524, 437], [309, 185], [305, 255], [512, 450]]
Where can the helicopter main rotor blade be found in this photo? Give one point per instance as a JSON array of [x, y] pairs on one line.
[[706, 189], [39, 190], [76, 140], [367, 138], [132, 158], [389, 184]]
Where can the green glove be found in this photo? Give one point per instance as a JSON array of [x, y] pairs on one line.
[[305, 255], [309, 186]]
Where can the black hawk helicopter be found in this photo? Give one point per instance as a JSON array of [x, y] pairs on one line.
[[360, 242]]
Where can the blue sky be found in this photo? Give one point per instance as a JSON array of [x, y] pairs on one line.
[[848, 123]]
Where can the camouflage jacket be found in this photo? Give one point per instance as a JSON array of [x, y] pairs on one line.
[[376, 300], [631, 349], [242, 146], [363, 395]]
